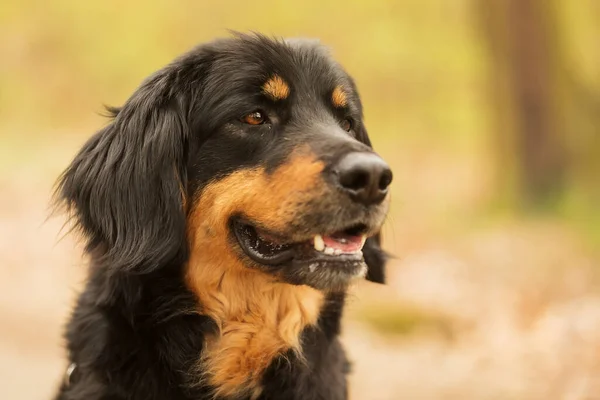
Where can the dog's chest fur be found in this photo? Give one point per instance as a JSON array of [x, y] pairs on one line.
[[131, 340]]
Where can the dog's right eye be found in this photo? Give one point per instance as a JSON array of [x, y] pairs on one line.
[[255, 118]]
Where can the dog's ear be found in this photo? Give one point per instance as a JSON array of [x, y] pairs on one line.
[[375, 257], [126, 188]]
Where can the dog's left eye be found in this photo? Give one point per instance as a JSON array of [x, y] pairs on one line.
[[255, 118], [347, 124]]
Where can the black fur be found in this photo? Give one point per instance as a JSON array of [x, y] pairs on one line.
[[135, 333]]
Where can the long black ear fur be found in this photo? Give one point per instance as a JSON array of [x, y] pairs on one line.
[[125, 188]]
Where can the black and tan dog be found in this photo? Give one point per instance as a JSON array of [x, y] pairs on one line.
[[225, 208]]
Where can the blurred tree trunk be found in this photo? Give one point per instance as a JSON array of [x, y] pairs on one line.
[[523, 73]]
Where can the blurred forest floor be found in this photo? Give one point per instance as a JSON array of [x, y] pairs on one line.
[[504, 310]]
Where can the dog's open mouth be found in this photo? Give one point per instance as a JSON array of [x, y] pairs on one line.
[[269, 249]]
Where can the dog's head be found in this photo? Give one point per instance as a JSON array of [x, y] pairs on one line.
[[249, 149]]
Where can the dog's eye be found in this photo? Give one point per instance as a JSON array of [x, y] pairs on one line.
[[255, 118], [347, 124]]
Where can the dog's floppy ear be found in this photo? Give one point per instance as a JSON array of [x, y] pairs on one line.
[[375, 257], [125, 189]]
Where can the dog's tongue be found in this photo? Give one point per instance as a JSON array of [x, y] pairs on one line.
[[344, 242]]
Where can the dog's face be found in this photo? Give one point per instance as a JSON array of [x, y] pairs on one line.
[[250, 149]]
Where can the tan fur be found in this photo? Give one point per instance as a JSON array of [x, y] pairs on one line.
[[277, 88], [258, 317], [339, 97]]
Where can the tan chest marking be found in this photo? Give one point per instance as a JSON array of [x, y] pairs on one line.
[[258, 317]]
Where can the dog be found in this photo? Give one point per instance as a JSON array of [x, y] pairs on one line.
[[226, 207]]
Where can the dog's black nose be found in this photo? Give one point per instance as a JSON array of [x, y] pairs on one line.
[[364, 176]]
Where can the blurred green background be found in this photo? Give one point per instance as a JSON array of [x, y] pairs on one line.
[[487, 110]]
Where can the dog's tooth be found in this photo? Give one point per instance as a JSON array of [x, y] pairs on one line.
[[329, 251], [319, 243], [337, 252], [363, 239]]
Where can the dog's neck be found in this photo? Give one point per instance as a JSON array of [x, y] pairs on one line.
[[258, 320]]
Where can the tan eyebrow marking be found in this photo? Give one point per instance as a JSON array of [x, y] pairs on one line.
[[276, 88], [338, 97]]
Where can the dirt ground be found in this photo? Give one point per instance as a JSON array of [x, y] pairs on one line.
[[508, 312]]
